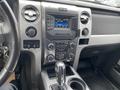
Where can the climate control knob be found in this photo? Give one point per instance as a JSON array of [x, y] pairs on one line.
[[51, 46], [72, 45], [71, 56], [50, 58]]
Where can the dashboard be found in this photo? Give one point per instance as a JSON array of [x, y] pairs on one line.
[[64, 30], [57, 39], [53, 31]]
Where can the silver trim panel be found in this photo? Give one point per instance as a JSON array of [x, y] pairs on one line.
[[34, 52]]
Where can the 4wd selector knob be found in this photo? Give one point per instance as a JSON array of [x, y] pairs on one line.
[[31, 32]]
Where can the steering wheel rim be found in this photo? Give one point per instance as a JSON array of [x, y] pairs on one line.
[[15, 52]]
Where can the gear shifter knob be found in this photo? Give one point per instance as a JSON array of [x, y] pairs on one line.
[[60, 73]]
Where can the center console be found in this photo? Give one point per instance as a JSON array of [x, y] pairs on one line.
[[64, 28], [61, 34]]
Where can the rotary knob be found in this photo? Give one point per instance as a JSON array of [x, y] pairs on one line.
[[51, 46], [31, 32], [71, 56], [50, 58], [85, 32], [72, 45]]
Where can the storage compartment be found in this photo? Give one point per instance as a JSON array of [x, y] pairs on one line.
[[105, 24]]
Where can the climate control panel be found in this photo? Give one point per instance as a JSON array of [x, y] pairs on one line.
[[63, 50]]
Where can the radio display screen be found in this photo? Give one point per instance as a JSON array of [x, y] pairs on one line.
[[58, 22], [61, 22]]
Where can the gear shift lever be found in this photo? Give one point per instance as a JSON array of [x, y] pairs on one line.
[[60, 73]]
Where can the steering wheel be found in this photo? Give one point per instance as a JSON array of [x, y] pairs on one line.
[[9, 41]]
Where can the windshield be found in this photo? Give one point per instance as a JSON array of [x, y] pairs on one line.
[[114, 3]]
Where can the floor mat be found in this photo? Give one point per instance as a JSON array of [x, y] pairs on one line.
[[96, 81]]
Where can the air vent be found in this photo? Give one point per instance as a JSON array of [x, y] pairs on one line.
[[30, 13], [84, 17]]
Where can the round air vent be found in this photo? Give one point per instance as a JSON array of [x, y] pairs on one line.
[[30, 13], [84, 18]]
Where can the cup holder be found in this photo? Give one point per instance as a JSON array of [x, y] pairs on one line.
[[77, 84]]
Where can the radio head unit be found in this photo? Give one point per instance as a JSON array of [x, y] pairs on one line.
[[59, 26]]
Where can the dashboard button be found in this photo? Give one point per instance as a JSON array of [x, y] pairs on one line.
[[60, 55], [27, 44]]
